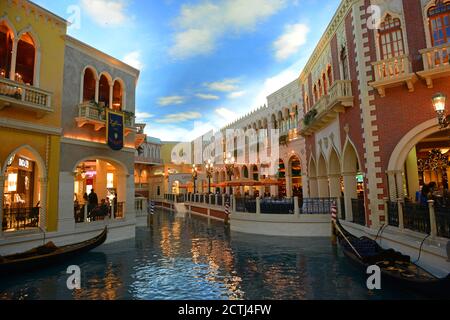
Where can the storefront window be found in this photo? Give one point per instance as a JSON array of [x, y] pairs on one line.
[[20, 194]]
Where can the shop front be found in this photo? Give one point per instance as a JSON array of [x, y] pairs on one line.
[[21, 196]]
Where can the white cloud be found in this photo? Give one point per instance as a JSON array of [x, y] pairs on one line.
[[134, 59], [272, 84], [171, 100], [226, 85], [290, 42], [176, 133], [180, 117], [200, 26], [106, 12], [226, 114], [207, 96], [143, 116], [237, 94]]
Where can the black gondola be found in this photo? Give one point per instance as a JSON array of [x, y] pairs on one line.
[[47, 255], [396, 268]]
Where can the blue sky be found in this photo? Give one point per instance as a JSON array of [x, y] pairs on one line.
[[203, 63]]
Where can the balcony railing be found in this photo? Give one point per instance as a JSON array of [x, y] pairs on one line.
[[89, 113], [328, 106], [435, 63], [17, 94], [393, 72]]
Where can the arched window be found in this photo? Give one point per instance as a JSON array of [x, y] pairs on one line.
[[330, 76], [391, 38], [316, 97], [6, 42], [439, 17], [320, 89], [103, 91], [325, 86], [25, 60], [89, 84], [344, 63], [117, 95]]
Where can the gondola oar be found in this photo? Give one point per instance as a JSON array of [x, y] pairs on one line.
[[348, 241]]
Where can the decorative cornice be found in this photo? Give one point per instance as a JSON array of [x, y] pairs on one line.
[[32, 8]]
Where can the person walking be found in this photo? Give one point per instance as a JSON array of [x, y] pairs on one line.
[[93, 201]]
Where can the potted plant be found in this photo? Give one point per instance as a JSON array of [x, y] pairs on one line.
[[309, 117]]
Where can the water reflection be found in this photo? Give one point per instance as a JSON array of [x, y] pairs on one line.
[[194, 258]]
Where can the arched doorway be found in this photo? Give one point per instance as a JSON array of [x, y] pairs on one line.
[[24, 194], [322, 178], [334, 174], [100, 190], [353, 186], [281, 179], [313, 187], [296, 177]]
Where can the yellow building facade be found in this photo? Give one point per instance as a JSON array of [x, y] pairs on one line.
[[32, 46]]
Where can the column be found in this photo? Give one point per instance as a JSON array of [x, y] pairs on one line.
[[258, 205], [43, 182], [288, 186], [323, 186], [350, 192], [433, 225], [2, 185], [100, 187], [305, 184], [401, 217], [296, 207], [399, 181], [412, 172], [97, 89], [111, 95], [12, 74], [313, 188], [335, 185], [392, 186], [66, 221]]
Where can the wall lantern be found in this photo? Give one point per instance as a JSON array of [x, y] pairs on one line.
[[439, 101]]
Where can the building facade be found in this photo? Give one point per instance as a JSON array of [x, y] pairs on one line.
[[31, 91], [368, 104], [147, 157], [95, 83]]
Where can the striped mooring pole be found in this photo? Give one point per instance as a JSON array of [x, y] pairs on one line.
[[333, 223]]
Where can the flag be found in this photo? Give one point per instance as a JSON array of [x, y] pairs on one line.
[[115, 130]]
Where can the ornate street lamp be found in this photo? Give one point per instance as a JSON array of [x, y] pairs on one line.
[[209, 173], [439, 101], [194, 176], [230, 163]]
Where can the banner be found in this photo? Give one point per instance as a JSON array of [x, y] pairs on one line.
[[115, 132]]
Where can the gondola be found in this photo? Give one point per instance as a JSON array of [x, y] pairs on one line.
[[47, 255], [396, 268]]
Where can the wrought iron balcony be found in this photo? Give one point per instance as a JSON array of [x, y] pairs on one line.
[[90, 114], [329, 106], [393, 72], [19, 95], [436, 63]]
